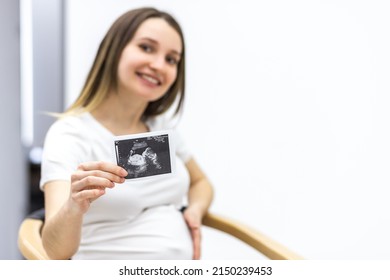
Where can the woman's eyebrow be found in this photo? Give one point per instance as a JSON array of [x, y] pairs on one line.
[[148, 39], [153, 41]]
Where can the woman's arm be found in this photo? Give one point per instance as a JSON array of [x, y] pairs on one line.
[[67, 202], [62, 228], [199, 200], [201, 192]]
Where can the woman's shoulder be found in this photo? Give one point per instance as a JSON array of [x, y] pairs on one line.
[[68, 123], [162, 122], [68, 132], [168, 123]]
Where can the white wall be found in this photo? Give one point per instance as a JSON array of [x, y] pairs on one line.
[[287, 112], [47, 28], [13, 163]]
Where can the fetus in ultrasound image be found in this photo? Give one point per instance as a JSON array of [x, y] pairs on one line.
[[145, 156]]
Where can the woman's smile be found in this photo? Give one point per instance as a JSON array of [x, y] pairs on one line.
[[149, 79]]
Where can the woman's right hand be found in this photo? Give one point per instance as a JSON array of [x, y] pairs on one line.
[[90, 181], [65, 205]]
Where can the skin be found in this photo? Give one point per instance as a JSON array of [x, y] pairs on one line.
[[147, 69]]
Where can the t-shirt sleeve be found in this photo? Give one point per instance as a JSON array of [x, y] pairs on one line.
[[164, 123], [64, 149], [182, 149]]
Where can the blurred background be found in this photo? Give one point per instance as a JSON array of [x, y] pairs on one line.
[[287, 112]]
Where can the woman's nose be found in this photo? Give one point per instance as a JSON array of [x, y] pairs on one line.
[[158, 62]]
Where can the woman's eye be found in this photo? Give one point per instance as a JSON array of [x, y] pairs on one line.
[[146, 48], [172, 60]]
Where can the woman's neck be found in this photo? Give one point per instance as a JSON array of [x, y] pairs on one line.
[[121, 117]]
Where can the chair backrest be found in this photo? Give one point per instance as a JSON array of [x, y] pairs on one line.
[[29, 240]]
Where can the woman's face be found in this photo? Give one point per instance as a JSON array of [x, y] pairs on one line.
[[148, 64]]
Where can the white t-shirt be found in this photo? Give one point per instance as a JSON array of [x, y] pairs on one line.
[[134, 220]]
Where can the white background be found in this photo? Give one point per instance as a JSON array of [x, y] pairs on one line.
[[287, 112]]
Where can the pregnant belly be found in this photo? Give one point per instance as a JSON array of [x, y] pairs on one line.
[[157, 233]]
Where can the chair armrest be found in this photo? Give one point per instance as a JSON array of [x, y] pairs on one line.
[[29, 240], [255, 239]]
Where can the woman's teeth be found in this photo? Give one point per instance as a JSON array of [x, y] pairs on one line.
[[150, 79]]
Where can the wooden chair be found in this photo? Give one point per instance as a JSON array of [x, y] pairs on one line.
[[30, 242]]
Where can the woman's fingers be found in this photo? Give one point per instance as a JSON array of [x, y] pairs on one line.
[[103, 166], [90, 195], [92, 182], [91, 179], [196, 239], [193, 221], [79, 175], [97, 174]]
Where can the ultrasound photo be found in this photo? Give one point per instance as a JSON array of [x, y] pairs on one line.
[[144, 155]]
